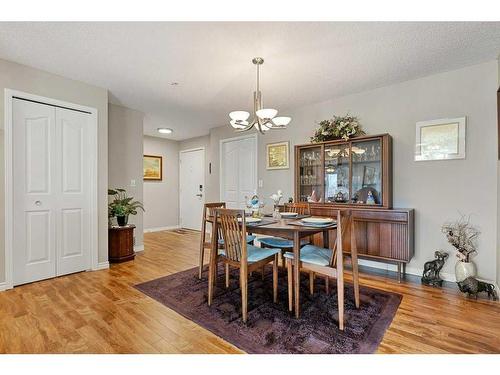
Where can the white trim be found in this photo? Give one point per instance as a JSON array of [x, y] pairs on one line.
[[8, 154], [221, 142], [204, 191], [138, 248], [3, 286], [101, 266], [160, 229]]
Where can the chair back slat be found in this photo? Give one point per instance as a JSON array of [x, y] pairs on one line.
[[301, 208], [233, 232], [209, 212], [343, 221]]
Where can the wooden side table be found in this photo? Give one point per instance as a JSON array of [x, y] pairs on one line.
[[121, 244]]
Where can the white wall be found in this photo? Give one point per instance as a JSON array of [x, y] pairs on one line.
[[34, 81], [161, 198], [125, 158], [438, 190]]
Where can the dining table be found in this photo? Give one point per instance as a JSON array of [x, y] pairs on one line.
[[291, 229]]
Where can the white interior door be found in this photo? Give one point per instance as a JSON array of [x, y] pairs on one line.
[[238, 173], [191, 188], [51, 197]]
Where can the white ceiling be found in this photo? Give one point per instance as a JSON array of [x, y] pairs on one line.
[[304, 62]]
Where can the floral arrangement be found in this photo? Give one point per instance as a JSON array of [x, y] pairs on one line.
[[463, 237], [338, 128], [276, 197]]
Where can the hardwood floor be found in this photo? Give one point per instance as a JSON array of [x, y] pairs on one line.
[[101, 312]]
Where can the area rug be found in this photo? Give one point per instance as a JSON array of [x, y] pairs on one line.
[[271, 328]]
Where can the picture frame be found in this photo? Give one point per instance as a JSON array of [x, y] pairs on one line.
[[278, 155], [442, 139], [368, 176], [152, 168]]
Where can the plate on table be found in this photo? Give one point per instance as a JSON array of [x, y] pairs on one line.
[[249, 220], [318, 220], [288, 214]]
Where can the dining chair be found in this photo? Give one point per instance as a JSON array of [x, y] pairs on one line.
[[329, 263], [208, 213], [300, 208], [239, 254]]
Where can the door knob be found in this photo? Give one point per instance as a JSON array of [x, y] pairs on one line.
[[38, 203], [199, 195]]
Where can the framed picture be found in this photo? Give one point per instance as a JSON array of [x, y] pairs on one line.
[[277, 155], [368, 176], [152, 168], [442, 139]]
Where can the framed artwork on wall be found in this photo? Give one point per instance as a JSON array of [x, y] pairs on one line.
[[277, 155], [442, 139], [152, 168]]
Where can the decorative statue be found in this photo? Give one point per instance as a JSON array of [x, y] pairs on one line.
[[432, 269], [472, 287]]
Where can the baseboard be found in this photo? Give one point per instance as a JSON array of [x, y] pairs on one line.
[[101, 266], [159, 229], [3, 286], [138, 248]]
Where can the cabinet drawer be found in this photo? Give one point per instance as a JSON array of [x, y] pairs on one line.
[[374, 215]]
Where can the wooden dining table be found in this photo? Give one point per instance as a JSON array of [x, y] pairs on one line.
[[284, 228]]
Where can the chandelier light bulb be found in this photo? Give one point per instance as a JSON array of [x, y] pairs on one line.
[[266, 113], [282, 120], [239, 115]]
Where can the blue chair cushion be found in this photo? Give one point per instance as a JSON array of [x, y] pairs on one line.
[[280, 243], [314, 255], [250, 239], [254, 253]]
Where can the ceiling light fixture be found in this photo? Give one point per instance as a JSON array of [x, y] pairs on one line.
[[263, 119], [165, 130]]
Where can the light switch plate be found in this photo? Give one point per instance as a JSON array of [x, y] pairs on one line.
[[132, 183], [261, 183]]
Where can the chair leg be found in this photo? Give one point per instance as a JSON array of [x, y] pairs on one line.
[[202, 254], [227, 275], [327, 285], [275, 278], [283, 259], [311, 283], [244, 294], [290, 284]]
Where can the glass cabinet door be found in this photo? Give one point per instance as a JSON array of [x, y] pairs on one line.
[[310, 174], [367, 172], [337, 175]]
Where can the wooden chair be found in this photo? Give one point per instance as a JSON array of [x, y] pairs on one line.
[[237, 253], [326, 262], [209, 212], [301, 208]]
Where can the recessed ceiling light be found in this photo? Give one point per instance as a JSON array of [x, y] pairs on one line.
[[165, 130]]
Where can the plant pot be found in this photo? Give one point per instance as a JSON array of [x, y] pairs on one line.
[[464, 270], [122, 220]]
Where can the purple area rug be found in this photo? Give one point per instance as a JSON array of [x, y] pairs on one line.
[[271, 328]]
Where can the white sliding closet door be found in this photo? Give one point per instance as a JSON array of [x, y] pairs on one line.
[[51, 195]]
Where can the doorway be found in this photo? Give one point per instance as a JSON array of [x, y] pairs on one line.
[[51, 193], [238, 170], [191, 187]]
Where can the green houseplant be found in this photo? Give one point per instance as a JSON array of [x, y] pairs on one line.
[[338, 127], [122, 206]]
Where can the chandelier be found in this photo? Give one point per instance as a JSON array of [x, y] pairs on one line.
[[263, 119]]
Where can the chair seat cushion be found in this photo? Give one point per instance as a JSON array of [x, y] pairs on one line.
[[250, 239], [280, 243], [314, 255], [254, 253]]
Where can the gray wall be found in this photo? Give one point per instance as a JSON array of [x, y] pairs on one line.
[[125, 157], [34, 81], [161, 198], [438, 190]]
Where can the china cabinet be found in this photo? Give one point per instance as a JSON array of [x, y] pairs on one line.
[[357, 175]]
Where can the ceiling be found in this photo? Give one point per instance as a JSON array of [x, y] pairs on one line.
[[305, 62]]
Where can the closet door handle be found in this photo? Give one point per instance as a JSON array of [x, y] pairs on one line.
[[38, 203]]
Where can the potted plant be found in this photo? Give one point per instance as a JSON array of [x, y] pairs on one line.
[[462, 235], [122, 206], [339, 127]]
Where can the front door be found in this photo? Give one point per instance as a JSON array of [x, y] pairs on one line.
[[192, 188]]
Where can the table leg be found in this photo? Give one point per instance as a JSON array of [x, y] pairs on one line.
[[296, 272], [213, 263]]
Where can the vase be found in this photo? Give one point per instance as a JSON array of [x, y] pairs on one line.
[[122, 220], [464, 270], [276, 212]]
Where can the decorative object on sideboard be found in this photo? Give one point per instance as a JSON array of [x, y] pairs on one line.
[[462, 235], [432, 268], [152, 168], [263, 118], [276, 197], [255, 205], [339, 127], [290, 200], [473, 287], [122, 206], [441, 139], [277, 155]]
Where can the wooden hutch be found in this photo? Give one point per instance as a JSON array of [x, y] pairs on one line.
[[357, 175]]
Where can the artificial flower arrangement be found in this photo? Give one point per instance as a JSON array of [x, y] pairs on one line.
[[339, 127]]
